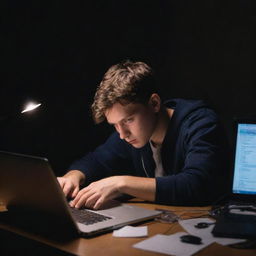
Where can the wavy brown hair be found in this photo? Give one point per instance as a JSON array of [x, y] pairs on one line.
[[126, 82]]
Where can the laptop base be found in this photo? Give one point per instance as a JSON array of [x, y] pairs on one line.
[[235, 226]]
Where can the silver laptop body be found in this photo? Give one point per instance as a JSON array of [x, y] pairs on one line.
[[34, 199]]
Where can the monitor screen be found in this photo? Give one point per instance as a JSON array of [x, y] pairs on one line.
[[244, 180]]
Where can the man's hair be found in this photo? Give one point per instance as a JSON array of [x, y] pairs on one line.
[[124, 83]]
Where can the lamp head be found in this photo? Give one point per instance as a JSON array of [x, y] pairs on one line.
[[30, 106]]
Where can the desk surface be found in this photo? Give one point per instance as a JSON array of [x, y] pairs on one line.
[[106, 244]]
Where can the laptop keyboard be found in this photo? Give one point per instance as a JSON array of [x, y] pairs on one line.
[[87, 217]]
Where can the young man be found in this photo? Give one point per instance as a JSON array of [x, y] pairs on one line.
[[171, 153]]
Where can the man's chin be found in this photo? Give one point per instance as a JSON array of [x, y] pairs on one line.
[[138, 145]]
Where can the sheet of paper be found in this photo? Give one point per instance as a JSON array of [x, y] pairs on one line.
[[170, 245], [205, 233], [129, 231]]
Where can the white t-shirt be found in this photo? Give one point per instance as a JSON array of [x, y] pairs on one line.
[[156, 149]]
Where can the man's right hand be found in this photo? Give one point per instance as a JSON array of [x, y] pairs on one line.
[[70, 182]]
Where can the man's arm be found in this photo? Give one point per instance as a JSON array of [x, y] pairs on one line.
[[110, 159], [99, 192]]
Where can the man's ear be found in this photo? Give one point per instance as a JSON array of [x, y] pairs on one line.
[[155, 102]]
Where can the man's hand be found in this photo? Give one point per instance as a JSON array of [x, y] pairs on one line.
[[98, 192], [71, 182]]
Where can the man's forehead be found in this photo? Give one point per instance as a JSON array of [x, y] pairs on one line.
[[118, 112]]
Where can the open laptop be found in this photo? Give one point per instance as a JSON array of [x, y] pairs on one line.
[[35, 201], [238, 217]]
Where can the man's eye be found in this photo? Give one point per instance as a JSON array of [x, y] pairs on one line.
[[128, 120]]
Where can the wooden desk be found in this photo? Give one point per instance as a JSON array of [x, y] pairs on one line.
[[108, 245]]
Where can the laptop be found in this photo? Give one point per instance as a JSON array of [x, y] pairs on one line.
[[35, 202], [238, 216]]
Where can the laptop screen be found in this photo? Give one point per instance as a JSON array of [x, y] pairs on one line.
[[244, 180]]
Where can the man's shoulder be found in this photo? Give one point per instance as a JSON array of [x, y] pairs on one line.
[[182, 103], [187, 109]]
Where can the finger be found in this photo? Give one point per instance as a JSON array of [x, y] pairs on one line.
[[76, 199], [75, 192], [90, 202], [103, 199], [99, 203], [86, 200], [81, 193], [67, 189], [61, 182]]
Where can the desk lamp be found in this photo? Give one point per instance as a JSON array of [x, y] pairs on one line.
[[29, 107]]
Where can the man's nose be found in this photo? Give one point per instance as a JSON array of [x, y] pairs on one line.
[[123, 132]]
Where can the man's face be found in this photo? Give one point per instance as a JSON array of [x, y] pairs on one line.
[[134, 122]]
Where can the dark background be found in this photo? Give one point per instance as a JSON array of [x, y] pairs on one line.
[[57, 52]]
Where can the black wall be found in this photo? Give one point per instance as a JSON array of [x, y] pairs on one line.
[[57, 53]]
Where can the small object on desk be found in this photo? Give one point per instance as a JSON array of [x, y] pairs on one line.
[[129, 231], [191, 239], [204, 224], [166, 216]]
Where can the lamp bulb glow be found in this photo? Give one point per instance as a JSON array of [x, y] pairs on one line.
[[30, 106]]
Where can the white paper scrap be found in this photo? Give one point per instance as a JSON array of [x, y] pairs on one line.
[[206, 233], [170, 245], [129, 231]]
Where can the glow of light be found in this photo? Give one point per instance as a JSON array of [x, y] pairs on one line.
[[30, 106]]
